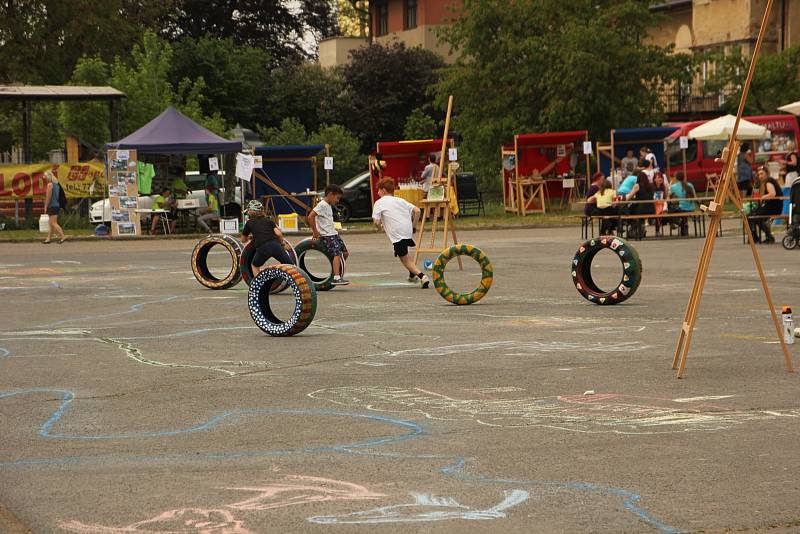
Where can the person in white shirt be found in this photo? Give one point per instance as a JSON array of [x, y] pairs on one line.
[[646, 153], [647, 168], [396, 217], [322, 228], [430, 172]]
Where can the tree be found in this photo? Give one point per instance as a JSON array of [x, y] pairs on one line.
[[42, 40], [345, 149], [290, 132], [353, 17], [774, 81], [385, 83], [280, 28], [419, 125], [237, 77], [536, 66], [89, 121], [306, 92]]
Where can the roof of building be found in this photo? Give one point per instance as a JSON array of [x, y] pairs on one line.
[[58, 92], [664, 5]]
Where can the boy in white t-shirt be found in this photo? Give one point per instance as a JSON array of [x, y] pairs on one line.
[[396, 217], [322, 228]]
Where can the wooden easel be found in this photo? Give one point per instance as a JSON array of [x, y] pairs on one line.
[[727, 190], [436, 209]]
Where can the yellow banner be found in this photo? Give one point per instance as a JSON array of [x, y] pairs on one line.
[[27, 181]]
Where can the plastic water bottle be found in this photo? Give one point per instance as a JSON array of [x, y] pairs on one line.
[[427, 265], [788, 325]]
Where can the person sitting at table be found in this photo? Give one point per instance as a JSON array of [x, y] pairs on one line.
[[179, 188], [627, 185], [603, 207], [642, 192], [211, 213], [646, 166], [164, 201], [597, 180], [660, 194], [769, 204], [682, 190], [430, 173]]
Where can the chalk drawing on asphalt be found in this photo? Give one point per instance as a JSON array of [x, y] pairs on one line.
[[426, 508], [601, 413], [521, 348], [294, 490], [182, 520]]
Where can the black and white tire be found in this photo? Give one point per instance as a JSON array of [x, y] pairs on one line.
[[320, 283], [199, 261], [305, 297], [582, 270], [246, 265]]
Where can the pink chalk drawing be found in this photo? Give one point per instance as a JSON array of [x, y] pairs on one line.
[[291, 490], [299, 489], [180, 521]]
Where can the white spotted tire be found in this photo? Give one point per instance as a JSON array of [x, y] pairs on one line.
[[199, 261], [305, 298], [582, 270]]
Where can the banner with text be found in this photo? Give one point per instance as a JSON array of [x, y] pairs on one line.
[[79, 180]]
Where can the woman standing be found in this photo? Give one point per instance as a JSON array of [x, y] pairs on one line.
[[791, 163], [52, 205]]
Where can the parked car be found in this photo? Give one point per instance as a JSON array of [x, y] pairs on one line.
[[100, 211], [356, 202]]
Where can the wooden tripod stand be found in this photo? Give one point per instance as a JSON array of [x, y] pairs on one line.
[[727, 190], [434, 210]]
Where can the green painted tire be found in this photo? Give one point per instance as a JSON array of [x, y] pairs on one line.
[[582, 270], [320, 284], [487, 273], [304, 294], [199, 261], [246, 263]]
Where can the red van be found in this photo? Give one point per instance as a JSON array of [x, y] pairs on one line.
[[701, 154]]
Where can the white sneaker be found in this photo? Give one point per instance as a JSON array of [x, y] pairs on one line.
[[339, 281], [425, 281]]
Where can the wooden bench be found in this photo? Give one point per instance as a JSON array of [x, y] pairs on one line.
[[697, 217]]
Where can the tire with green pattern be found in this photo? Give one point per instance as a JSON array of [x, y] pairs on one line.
[[305, 298], [582, 270], [487, 273], [246, 264], [320, 283], [199, 261]]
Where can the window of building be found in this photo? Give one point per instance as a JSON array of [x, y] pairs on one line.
[[411, 14], [383, 18]]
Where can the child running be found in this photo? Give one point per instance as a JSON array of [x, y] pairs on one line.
[[321, 222], [396, 217]]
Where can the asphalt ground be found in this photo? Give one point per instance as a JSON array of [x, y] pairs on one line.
[[132, 399]]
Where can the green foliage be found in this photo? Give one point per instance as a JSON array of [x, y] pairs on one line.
[[290, 132], [345, 149], [307, 92], [384, 85], [419, 125], [536, 66], [774, 82], [89, 121]]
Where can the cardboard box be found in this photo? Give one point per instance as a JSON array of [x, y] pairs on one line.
[[289, 222], [188, 203]]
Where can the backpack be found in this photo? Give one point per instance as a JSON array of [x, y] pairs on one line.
[[62, 198]]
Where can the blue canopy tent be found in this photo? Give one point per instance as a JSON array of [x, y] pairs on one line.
[[625, 139], [288, 177]]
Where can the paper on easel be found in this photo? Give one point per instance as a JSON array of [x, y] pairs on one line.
[[244, 166], [587, 147], [452, 154], [568, 183]]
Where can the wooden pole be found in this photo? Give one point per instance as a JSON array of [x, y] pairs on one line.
[[727, 189], [683, 150], [327, 171], [444, 137]]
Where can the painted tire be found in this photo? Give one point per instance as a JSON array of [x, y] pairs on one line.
[[487, 273], [582, 270], [246, 262], [320, 284], [199, 261], [305, 297]]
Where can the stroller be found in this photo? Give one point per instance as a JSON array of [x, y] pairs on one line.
[[792, 238]]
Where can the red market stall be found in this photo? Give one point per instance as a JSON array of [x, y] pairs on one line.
[[540, 166], [404, 160]]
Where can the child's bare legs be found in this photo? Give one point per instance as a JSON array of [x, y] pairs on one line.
[[409, 264], [337, 266]]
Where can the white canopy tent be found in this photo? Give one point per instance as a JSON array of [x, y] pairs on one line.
[[793, 108], [721, 128]]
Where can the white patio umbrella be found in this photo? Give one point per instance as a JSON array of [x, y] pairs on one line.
[[793, 108], [721, 128]]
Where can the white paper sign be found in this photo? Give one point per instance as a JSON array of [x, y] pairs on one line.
[[568, 183], [244, 166], [587, 147], [561, 151], [328, 163], [213, 164], [123, 155], [684, 142], [258, 162], [452, 154]]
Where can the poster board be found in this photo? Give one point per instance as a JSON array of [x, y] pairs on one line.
[[123, 193]]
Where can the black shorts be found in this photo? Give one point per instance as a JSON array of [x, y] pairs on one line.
[[271, 249], [402, 246], [53, 210]]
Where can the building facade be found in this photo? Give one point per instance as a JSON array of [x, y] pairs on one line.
[[413, 22]]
